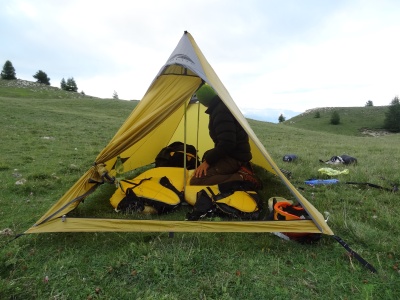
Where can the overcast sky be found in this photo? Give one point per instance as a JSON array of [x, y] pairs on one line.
[[270, 55]]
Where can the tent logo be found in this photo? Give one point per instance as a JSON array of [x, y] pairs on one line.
[[181, 58]]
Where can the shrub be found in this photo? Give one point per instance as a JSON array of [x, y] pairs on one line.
[[392, 119], [335, 119]]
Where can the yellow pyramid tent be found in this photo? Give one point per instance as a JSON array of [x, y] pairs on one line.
[[164, 115]]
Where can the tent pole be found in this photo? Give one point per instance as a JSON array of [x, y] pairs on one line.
[[197, 133], [184, 145]]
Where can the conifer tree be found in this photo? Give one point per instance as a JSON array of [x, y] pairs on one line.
[[281, 118], [63, 84], [392, 119], [8, 71], [115, 95], [71, 85], [42, 77]]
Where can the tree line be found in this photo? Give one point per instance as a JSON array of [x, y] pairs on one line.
[[8, 73]]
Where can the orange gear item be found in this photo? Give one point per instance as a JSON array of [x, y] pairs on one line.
[[287, 211]]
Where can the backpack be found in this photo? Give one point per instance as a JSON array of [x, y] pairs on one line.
[[289, 157], [284, 210], [173, 156], [343, 159], [233, 199], [158, 190]]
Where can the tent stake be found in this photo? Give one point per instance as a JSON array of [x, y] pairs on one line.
[[355, 254]]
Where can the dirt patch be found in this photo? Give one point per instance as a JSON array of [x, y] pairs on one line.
[[374, 132]]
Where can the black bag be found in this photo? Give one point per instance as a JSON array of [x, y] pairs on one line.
[[134, 201], [157, 190], [343, 159], [289, 157], [221, 201], [173, 156]]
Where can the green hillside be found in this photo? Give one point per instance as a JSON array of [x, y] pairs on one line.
[[49, 139], [356, 121]]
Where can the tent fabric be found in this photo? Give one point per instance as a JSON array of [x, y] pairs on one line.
[[119, 225], [164, 115]]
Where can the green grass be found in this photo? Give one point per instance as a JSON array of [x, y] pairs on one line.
[[51, 141]]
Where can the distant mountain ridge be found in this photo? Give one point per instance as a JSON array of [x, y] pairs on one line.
[[268, 114]]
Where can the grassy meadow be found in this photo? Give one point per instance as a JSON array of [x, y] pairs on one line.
[[49, 138]]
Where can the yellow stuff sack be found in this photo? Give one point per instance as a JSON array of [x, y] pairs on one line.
[[157, 190]]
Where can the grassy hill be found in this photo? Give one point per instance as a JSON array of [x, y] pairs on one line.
[[49, 139], [27, 89], [356, 121]]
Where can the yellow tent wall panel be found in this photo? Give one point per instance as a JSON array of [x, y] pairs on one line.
[[164, 115]]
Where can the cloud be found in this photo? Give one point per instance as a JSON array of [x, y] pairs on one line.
[[293, 56]]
